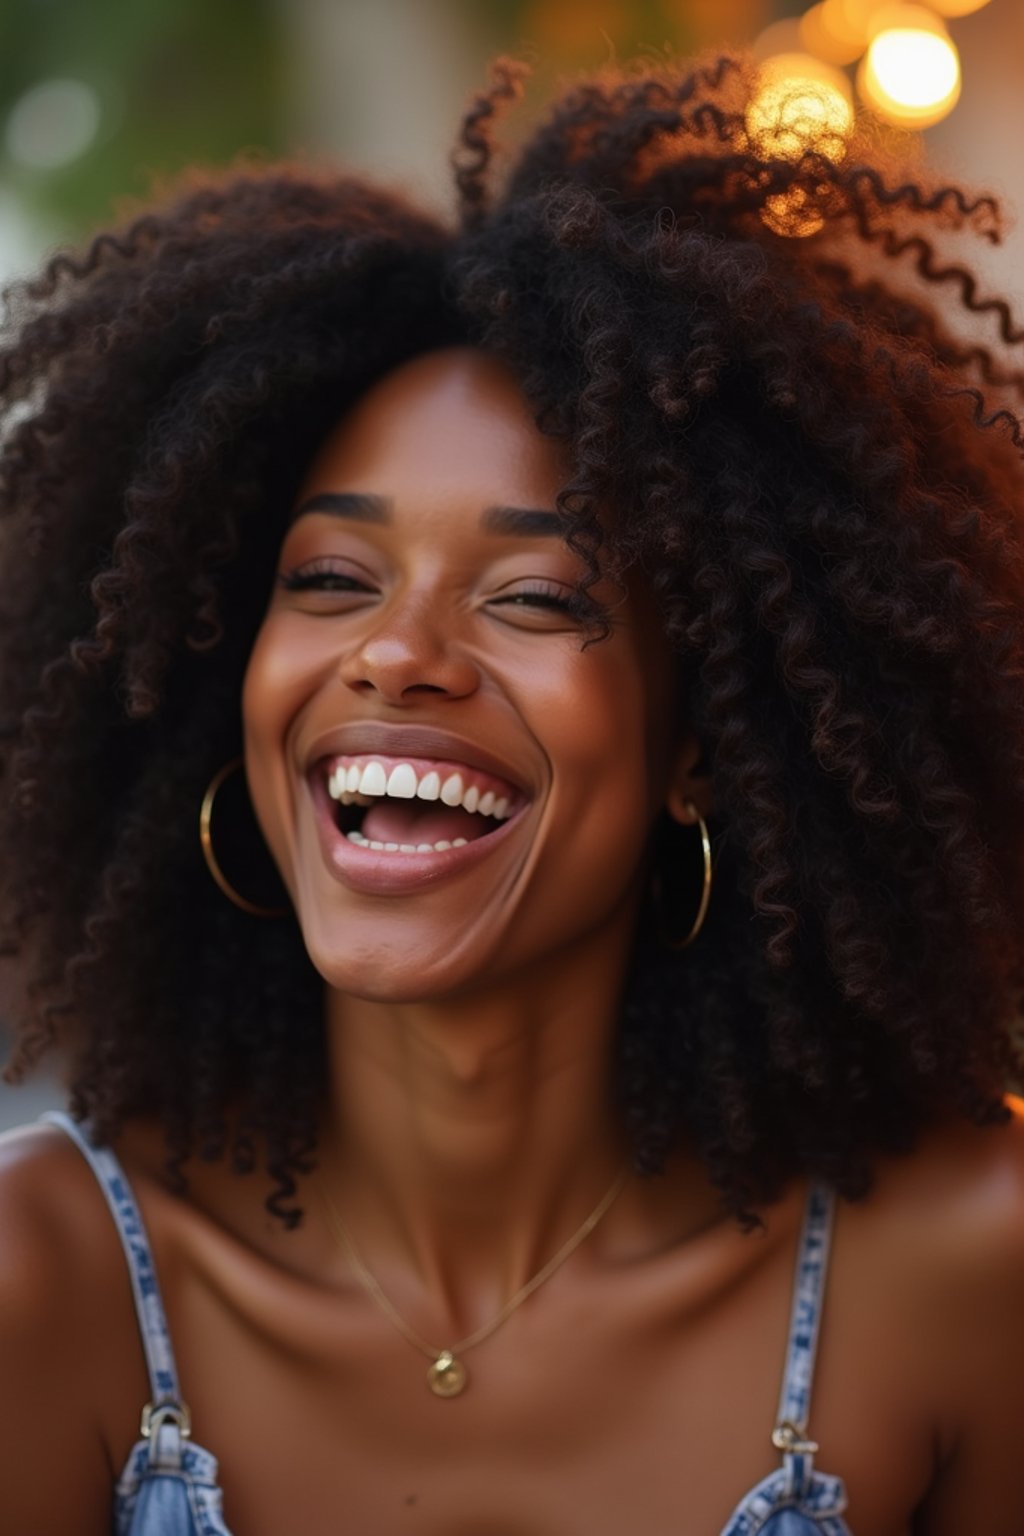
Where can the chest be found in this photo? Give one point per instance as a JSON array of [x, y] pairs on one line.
[[594, 1412]]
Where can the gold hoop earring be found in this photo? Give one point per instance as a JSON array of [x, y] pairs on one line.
[[705, 895], [206, 844]]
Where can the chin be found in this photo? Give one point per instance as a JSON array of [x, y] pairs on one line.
[[399, 971]]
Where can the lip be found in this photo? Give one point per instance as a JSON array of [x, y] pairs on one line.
[[365, 737], [376, 873], [371, 871]]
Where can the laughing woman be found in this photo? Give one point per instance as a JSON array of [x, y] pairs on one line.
[[609, 616]]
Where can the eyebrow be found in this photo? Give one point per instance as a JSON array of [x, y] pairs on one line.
[[524, 522], [362, 507]]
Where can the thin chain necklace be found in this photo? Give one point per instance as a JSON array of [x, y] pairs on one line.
[[447, 1376]]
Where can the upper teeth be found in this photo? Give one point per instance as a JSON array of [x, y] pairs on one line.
[[404, 783]]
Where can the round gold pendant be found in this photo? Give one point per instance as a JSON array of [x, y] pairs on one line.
[[447, 1376]]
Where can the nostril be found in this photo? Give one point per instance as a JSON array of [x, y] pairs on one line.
[[410, 661], [398, 694]]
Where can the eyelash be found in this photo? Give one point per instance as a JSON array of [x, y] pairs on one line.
[[576, 605], [325, 578], [320, 578]]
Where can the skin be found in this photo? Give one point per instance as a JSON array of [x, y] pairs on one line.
[[467, 1124]]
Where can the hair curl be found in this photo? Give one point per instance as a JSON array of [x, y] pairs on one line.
[[820, 475]]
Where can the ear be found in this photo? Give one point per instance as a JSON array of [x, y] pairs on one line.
[[689, 787]]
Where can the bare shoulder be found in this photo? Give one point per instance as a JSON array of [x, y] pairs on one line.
[[936, 1252], [60, 1256], [59, 1295], [44, 1204], [947, 1219], [960, 1193]]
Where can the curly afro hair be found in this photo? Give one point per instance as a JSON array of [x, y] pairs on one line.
[[818, 471]]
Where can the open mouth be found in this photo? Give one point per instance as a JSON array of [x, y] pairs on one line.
[[413, 805]]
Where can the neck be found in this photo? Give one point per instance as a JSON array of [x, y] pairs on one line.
[[471, 1138]]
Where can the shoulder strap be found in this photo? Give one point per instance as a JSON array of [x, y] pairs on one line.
[[808, 1296], [156, 1339]]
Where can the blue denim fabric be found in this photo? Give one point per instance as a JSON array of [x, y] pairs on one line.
[[771, 1509], [179, 1499], [797, 1500], [169, 1484]]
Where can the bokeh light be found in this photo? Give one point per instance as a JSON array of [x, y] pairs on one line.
[[795, 213], [843, 27], [52, 124], [819, 38], [910, 75], [777, 38], [957, 7], [800, 105]]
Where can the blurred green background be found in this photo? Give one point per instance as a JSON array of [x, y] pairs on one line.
[[100, 97], [97, 97]]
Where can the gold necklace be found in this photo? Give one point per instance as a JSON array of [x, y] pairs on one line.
[[447, 1376]]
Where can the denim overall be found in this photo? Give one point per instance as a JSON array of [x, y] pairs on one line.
[[169, 1484]]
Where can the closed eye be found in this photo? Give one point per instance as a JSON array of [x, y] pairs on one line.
[[554, 598], [536, 600], [317, 577], [323, 578]]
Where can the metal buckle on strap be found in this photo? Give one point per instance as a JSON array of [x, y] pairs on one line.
[[789, 1437], [154, 1415]]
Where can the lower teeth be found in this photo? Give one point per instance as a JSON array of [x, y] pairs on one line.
[[364, 842]]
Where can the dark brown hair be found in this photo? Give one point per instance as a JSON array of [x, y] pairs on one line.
[[820, 476]]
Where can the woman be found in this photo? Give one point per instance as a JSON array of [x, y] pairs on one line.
[[617, 606]]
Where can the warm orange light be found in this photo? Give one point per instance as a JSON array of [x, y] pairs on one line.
[[778, 38], [910, 74], [825, 42], [910, 14], [846, 23], [793, 213], [958, 7], [800, 105]]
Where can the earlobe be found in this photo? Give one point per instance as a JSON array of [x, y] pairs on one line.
[[682, 807], [690, 795]]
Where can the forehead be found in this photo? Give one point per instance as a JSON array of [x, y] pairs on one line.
[[448, 424]]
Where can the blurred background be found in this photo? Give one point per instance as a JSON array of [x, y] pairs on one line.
[[100, 99]]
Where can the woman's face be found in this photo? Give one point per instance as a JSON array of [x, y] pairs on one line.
[[452, 786]]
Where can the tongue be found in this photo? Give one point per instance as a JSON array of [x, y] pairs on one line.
[[392, 821]]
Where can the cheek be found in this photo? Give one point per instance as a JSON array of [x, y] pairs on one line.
[[284, 664], [614, 721], [608, 743], [275, 685]]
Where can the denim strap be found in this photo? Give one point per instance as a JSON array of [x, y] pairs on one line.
[[790, 1433], [805, 1319], [156, 1340]]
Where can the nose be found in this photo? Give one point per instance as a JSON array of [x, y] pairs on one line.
[[409, 652]]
